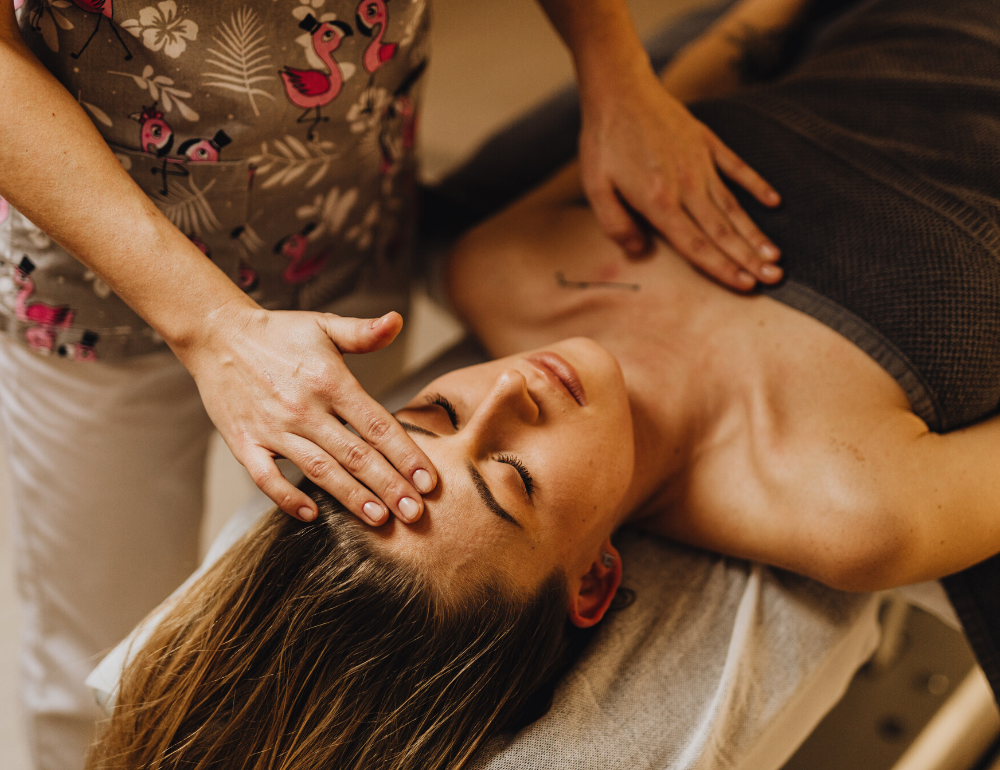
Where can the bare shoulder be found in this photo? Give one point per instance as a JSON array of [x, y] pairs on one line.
[[803, 471], [515, 278]]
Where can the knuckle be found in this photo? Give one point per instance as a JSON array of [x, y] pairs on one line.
[[729, 205], [662, 194], [293, 406], [315, 466], [258, 474], [722, 232], [356, 498], [356, 458], [377, 429], [688, 182], [697, 245]]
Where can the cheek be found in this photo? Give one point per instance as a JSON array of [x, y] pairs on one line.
[[601, 467]]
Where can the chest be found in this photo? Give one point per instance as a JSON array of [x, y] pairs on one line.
[[796, 433]]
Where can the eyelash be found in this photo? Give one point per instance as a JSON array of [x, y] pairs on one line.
[[529, 484], [449, 408]]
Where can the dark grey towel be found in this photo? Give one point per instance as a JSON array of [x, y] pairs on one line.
[[885, 144]]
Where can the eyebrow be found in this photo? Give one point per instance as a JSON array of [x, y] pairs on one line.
[[477, 478], [409, 427], [491, 502]]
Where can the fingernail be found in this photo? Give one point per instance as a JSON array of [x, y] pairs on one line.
[[773, 198], [374, 512], [422, 481], [305, 513], [770, 272], [379, 321], [746, 279], [409, 508], [770, 251]]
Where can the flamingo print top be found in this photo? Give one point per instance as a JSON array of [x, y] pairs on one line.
[[263, 129]]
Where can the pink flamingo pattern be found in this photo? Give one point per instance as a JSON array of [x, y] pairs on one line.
[[156, 137], [103, 9], [369, 15], [313, 89], [82, 351], [205, 150], [400, 119], [293, 247], [50, 319]]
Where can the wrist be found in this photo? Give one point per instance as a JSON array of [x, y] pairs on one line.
[[211, 329], [607, 53], [606, 96], [607, 81]]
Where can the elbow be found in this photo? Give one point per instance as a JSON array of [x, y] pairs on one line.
[[871, 552]]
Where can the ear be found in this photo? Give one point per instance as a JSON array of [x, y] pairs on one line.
[[594, 591]]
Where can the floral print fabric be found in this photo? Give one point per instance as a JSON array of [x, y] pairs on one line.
[[276, 134]]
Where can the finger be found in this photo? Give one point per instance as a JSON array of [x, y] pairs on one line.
[[324, 471], [379, 429], [714, 223], [692, 243], [734, 167], [762, 246], [365, 465], [265, 474], [616, 221], [361, 335]]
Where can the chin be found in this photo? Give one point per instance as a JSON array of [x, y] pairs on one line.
[[595, 364], [587, 353]]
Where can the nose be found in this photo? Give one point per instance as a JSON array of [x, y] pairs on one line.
[[507, 405]]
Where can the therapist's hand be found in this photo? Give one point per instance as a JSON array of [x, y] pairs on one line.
[[642, 152], [275, 384]]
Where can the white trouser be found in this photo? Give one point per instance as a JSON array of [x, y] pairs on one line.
[[107, 470]]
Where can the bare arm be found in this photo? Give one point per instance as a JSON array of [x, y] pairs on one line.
[[712, 65], [46, 139], [946, 489], [271, 382]]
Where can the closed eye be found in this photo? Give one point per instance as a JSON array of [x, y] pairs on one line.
[[449, 408], [529, 483]]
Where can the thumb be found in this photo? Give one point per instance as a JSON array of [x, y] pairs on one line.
[[361, 335]]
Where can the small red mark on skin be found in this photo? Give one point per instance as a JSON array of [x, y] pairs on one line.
[[609, 272]]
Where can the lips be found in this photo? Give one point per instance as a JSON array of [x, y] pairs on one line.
[[555, 367]]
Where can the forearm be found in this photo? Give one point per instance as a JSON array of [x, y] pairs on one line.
[[603, 42], [57, 170]]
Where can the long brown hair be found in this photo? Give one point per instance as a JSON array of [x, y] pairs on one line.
[[305, 648]]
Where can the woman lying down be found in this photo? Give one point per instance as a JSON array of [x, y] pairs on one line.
[[838, 425]]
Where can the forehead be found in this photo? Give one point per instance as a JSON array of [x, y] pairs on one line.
[[453, 555], [458, 541]]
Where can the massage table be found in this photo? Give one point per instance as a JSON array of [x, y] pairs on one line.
[[715, 663]]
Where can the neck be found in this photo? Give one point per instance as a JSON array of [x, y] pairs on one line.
[[683, 369], [326, 56]]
